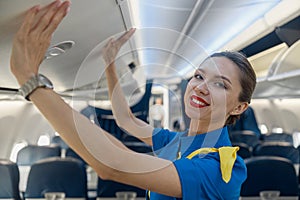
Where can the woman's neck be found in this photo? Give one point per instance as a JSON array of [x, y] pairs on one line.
[[200, 127]]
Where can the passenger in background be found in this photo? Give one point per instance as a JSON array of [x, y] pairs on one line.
[[247, 121], [197, 164], [157, 113]]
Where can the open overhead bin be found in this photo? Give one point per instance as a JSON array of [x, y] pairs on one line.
[[283, 78]]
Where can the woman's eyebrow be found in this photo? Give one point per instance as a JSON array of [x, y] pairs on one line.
[[224, 78], [217, 76]]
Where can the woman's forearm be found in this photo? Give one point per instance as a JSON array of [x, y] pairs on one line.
[[119, 103], [121, 110], [107, 156], [88, 140]]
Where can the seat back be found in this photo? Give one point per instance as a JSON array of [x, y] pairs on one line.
[[71, 153], [270, 173], [108, 189], [278, 137], [247, 121], [281, 149], [9, 180], [58, 141], [248, 137], [67, 175], [105, 118], [245, 150], [31, 154]]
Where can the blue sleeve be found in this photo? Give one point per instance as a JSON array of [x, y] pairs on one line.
[[161, 137], [190, 178], [202, 179]]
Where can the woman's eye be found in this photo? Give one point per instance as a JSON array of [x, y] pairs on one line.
[[198, 76], [221, 84]]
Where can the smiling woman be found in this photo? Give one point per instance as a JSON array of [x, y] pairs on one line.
[[197, 164], [214, 97]]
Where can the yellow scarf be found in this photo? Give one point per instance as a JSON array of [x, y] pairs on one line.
[[227, 159]]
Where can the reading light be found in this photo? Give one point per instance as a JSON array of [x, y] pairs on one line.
[[59, 49]]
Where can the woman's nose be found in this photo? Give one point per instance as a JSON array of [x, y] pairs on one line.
[[202, 89]]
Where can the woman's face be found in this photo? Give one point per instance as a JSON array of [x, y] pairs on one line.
[[212, 94]]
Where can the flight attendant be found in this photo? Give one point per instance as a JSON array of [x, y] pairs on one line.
[[201, 165]]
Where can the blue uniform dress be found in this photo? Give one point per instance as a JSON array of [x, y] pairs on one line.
[[200, 176]]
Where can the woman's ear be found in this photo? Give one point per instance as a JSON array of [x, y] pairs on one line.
[[240, 108]]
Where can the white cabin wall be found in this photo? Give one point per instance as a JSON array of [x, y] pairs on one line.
[[274, 113], [20, 121]]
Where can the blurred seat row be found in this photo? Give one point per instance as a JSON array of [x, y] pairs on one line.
[[42, 169], [268, 145], [57, 168], [272, 164]]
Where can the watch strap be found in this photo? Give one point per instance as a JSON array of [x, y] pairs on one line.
[[32, 84]]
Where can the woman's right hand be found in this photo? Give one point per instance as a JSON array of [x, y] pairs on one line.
[[111, 49]]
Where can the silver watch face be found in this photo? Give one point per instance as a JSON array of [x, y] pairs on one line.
[[44, 81]]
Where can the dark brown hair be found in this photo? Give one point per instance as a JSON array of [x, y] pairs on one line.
[[247, 78]]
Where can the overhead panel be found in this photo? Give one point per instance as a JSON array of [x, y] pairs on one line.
[[89, 24], [189, 29]]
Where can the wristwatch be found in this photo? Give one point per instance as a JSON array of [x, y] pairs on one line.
[[33, 83]]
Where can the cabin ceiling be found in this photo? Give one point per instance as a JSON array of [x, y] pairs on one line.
[[172, 37]]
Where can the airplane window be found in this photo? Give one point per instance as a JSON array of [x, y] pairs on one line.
[[43, 140], [296, 139], [92, 118], [277, 130], [263, 129], [16, 148]]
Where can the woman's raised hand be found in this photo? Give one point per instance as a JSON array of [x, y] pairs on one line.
[[33, 38], [111, 49]]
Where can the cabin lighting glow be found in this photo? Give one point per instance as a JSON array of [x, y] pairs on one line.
[[135, 14]]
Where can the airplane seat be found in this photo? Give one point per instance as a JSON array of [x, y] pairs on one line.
[[245, 150], [32, 153], [247, 121], [244, 136], [56, 174], [269, 173], [108, 189], [183, 84], [71, 153], [57, 140], [9, 181], [29, 155], [92, 176], [105, 118], [281, 149], [278, 137]]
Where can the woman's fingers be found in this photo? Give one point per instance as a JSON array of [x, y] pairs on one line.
[[29, 20], [57, 18], [125, 37], [46, 15], [112, 47]]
